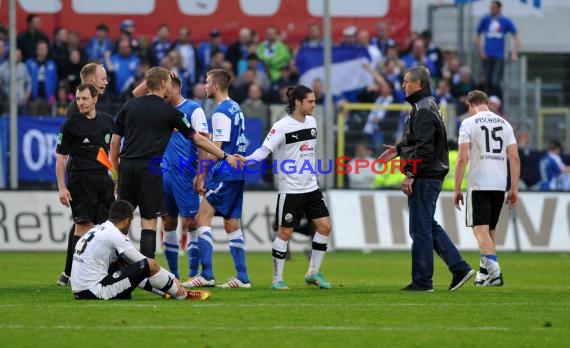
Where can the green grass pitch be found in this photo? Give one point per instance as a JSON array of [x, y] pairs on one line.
[[364, 309]]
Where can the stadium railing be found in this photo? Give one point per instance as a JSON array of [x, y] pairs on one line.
[[347, 108]]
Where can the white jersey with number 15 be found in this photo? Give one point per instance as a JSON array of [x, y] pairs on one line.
[[488, 135]]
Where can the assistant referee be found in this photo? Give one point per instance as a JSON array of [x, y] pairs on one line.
[[92, 74], [89, 190], [146, 124]]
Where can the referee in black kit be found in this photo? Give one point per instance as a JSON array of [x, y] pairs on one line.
[[96, 75], [89, 189], [146, 124]]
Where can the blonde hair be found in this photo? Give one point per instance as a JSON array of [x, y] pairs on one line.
[[154, 76]]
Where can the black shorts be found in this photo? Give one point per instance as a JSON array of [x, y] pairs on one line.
[[292, 206], [91, 197], [120, 282], [141, 187], [484, 207]]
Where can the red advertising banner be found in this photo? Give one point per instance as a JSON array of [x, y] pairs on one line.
[[291, 17]]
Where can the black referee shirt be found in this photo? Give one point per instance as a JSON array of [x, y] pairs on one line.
[[81, 138], [146, 124]]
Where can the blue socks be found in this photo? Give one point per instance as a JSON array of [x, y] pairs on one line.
[[237, 249], [171, 248], [193, 253], [206, 247]]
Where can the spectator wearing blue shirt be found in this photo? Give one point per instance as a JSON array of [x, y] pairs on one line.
[[551, 168], [206, 49], [124, 65], [494, 27], [383, 39], [391, 71], [161, 45], [99, 44], [433, 53], [418, 56], [43, 72]]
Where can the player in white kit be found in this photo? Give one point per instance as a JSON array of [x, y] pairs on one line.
[[293, 140], [486, 141], [107, 266]]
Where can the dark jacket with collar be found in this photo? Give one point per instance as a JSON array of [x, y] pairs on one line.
[[424, 138]]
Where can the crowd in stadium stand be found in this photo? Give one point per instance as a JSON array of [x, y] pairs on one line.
[[52, 62], [262, 65]]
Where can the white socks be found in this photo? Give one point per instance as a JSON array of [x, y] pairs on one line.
[[165, 281], [279, 252], [318, 253]]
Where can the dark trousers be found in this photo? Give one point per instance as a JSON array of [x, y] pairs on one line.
[[493, 70], [427, 235]]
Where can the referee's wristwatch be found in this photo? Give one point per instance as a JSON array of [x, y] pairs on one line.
[[225, 155], [409, 175]]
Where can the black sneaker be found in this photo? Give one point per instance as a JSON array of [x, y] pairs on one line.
[[460, 279], [414, 287]]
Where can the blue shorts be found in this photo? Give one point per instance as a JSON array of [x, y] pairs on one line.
[[179, 195], [226, 197]]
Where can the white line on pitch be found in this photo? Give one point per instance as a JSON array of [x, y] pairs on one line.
[[127, 327], [158, 303]]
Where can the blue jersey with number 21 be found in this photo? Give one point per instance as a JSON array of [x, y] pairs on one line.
[[228, 126]]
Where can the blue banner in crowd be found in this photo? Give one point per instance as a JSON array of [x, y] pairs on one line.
[[347, 72], [4, 126], [37, 140]]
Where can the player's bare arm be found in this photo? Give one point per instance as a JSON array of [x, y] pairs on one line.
[[514, 160], [462, 160]]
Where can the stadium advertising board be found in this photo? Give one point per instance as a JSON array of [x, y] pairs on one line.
[[36, 220], [371, 220], [362, 220], [291, 17], [37, 142]]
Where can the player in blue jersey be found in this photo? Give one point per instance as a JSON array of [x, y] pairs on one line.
[[223, 187], [178, 180], [180, 165]]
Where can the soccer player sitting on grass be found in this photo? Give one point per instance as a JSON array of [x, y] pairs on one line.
[[98, 270]]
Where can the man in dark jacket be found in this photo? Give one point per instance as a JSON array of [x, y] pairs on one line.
[[424, 150]]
